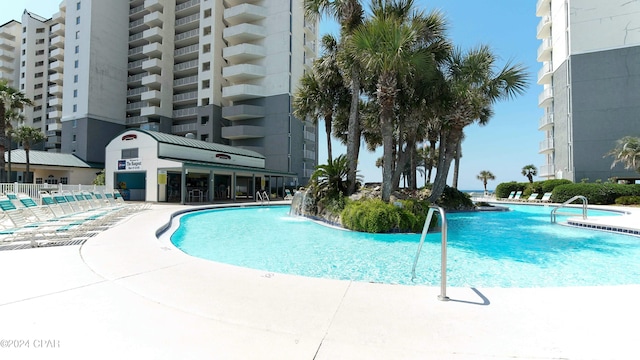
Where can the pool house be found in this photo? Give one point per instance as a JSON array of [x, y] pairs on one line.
[[153, 166]]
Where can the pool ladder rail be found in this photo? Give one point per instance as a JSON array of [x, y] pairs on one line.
[[263, 197], [585, 204], [443, 260]]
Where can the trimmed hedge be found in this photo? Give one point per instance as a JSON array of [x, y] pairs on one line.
[[504, 189], [599, 194], [628, 200]]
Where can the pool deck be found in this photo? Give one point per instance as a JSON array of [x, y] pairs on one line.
[[125, 294]]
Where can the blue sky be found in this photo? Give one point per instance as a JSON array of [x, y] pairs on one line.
[[509, 141]]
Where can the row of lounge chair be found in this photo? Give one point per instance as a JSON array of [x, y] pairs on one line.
[[516, 196], [61, 217]]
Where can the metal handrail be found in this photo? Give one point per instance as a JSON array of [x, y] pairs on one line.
[[443, 260], [264, 196], [585, 203]]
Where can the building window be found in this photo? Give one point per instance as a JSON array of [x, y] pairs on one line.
[[77, 50], [204, 137], [204, 120], [205, 102], [207, 13], [39, 63], [206, 66], [40, 52], [75, 93], [64, 180], [37, 119], [24, 52], [74, 123], [75, 78], [37, 86], [22, 76], [75, 63], [23, 62], [207, 30], [39, 30], [73, 137], [24, 29], [75, 109], [206, 48], [78, 34], [37, 97], [78, 5], [24, 41], [37, 108], [129, 153], [39, 75], [206, 84], [77, 20], [39, 41], [38, 180]]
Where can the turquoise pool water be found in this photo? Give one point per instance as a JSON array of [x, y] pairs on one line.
[[518, 248]]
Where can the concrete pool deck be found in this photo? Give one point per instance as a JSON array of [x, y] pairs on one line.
[[126, 294]]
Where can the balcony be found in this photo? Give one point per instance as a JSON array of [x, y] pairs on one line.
[[242, 92], [184, 128], [544, 27], [188, 8], [243, 53], [545, 74], [57, 65], [135, 120], [135, 106], [55, 90], [55, 102], [187, 22], [185, 113], [6, 55], [7, 44], [150, 111], [183, 98], [243, 33], [544, 50], [58, 17], [154, 19], [186, 53], [135, 65], [309, 136], [185, 82], [239, 132], [242, 112], [136, 40], [545, 122], [54, 125], [55, 114], [153, 50], [57, 41], [57, 54], [136, 26], [58, 29], [152, 81], [187, 38], [244, 13], [135, 80], [153, 66], [309, 155], [153, 5], [547, 170], [153, 34], [56, 78], [136, 52], [150, 95], [543, 7], [136, 92], [545, 97], [243, 72], [546, 146], [190, 67]]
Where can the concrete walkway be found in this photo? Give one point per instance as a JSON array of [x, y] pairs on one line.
[[126, 294]]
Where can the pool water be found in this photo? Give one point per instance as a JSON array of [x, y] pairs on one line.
[[518, 248]]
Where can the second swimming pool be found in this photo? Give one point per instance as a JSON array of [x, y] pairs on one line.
[[518, 248]]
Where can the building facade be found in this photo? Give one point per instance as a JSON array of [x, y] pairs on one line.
[[221, 71], [590, 55]]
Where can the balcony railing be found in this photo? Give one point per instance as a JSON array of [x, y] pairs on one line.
[[546, 170], [546, 144], [183, 128], [545, 120]]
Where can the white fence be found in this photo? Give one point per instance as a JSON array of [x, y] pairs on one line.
[[33, 190]]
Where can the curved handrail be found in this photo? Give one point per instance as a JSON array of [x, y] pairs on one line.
[[585, 203], [443, 261]]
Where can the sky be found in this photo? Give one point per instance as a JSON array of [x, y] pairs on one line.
[[507, 143]]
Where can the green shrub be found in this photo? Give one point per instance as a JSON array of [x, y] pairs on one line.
[[504, 189], [601, 194], [376, 216], [453, 199], [628, 200], [549, 185]]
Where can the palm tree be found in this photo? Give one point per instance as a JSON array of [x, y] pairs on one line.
[[322, 92], [389, 47], [28, 136], [349, 14], [626, 152], [530, 171], [330, 180], [11, 117], [474, 87], [485, 176], [10, 99]]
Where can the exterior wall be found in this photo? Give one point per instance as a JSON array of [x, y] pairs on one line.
[[10, 37], [606, 107], [33, 68], [561, 132], [91, 136]]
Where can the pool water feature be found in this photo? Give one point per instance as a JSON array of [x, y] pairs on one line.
[[518, 248]]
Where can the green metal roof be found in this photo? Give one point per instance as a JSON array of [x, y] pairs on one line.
[[45, 158], [184, 141]]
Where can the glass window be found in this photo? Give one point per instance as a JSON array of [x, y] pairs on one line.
[[77, 8], [75, 93], [75, 109], [77, 20], [129, 153], [77, 50], [75, 78], [75, 64]]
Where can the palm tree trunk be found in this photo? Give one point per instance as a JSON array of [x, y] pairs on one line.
[[387, 156], [432, 150], [456, 165], [3, 140], [353, 132], [451, 137], [327, 128]]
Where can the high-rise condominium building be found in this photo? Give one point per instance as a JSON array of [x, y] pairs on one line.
[[220, 71], [590, 53]]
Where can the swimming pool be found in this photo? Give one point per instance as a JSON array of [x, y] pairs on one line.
[[518, 248]]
